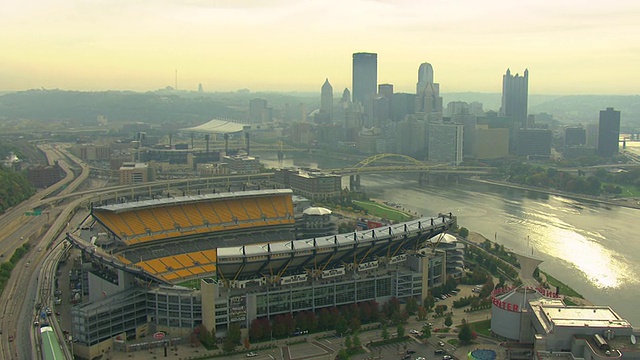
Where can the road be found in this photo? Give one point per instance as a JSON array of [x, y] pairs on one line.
[[32, 280]]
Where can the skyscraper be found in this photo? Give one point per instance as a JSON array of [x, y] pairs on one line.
[[428, 99], [425, 76], [365, 77], [608, 132], [326, 98], [515, 93]]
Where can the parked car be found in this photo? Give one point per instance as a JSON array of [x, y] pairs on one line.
[[447, 357], [438, 351], [440, 343], [411, 351], [252, 354], [414, 332]]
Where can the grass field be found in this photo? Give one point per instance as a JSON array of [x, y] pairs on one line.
[[383, 211], [194, 284], [482, 327], [564, 288]]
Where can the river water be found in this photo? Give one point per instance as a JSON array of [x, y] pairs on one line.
[[593, 248]]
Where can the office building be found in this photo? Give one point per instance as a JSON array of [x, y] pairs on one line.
[[515, 94], [489, 143], [428, 99], [135, 173], [326, 100], [257, 110], [533, 142], [608, 132], [365, 77], [446, 143]]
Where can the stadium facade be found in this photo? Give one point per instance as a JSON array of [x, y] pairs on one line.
[[172, 265]]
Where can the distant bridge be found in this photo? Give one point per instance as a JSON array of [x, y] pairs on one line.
[[382, 163]]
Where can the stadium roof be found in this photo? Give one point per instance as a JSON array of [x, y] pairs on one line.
[[219, 127], [191, 198]]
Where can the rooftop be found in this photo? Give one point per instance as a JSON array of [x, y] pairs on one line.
[[191, 198]]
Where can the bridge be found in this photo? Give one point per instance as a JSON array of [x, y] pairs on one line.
[[385, 163], [381, 163]]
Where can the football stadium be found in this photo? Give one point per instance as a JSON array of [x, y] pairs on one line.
[[171, 265]]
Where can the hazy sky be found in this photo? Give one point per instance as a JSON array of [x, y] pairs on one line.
[[569, 46]]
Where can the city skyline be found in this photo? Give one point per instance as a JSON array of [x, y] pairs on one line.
[[284, 45]]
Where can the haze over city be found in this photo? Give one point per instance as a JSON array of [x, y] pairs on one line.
[[569, 47]]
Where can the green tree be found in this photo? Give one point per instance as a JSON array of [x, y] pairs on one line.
[[234, 333], [465, 334], [400, 330], [342, 355], [228, 345], [412, 305], [356, 341], [341, 325], [426, 331], [347, 342], [385, 332], [464, 232], [448, 321]]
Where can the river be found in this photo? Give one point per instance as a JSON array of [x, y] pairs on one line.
[[593, 248]]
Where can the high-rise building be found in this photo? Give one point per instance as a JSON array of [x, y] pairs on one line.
[[515, 93], [425, 76], [365, 77], [608, 132], [326, 98], [428, 99], [257, 110], [446, 142]]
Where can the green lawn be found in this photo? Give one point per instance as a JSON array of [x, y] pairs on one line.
[[627, 190], [383, 211], [482, 327], [564, 288]]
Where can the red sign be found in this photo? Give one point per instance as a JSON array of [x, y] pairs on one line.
[[158, 336], [505, 305]]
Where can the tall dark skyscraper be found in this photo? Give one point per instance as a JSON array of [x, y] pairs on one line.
[[515, 93], [365, 77], [608, 132]]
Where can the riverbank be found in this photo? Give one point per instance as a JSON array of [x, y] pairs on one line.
[[633, 203], [571, 296]]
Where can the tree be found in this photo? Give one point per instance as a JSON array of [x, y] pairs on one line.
[[400, 330], [234, 333], [448, 321], [347, 342], [385, 332], [228, 345], [465, 334], [341, 325], [426, 331], [354, 324], [356, 341], [464, 232], [422, 313], [342, 355], [412, 305]]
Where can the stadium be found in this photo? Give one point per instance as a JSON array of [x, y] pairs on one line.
[[168, 266]]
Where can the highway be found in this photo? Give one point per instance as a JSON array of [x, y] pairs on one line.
[[32, 278]]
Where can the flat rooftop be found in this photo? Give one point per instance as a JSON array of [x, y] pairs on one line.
[[553, 313]]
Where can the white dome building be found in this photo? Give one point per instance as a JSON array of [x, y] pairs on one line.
[[315, 222]]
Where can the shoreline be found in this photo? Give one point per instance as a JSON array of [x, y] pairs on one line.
[[631, 203], [478, 239]]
